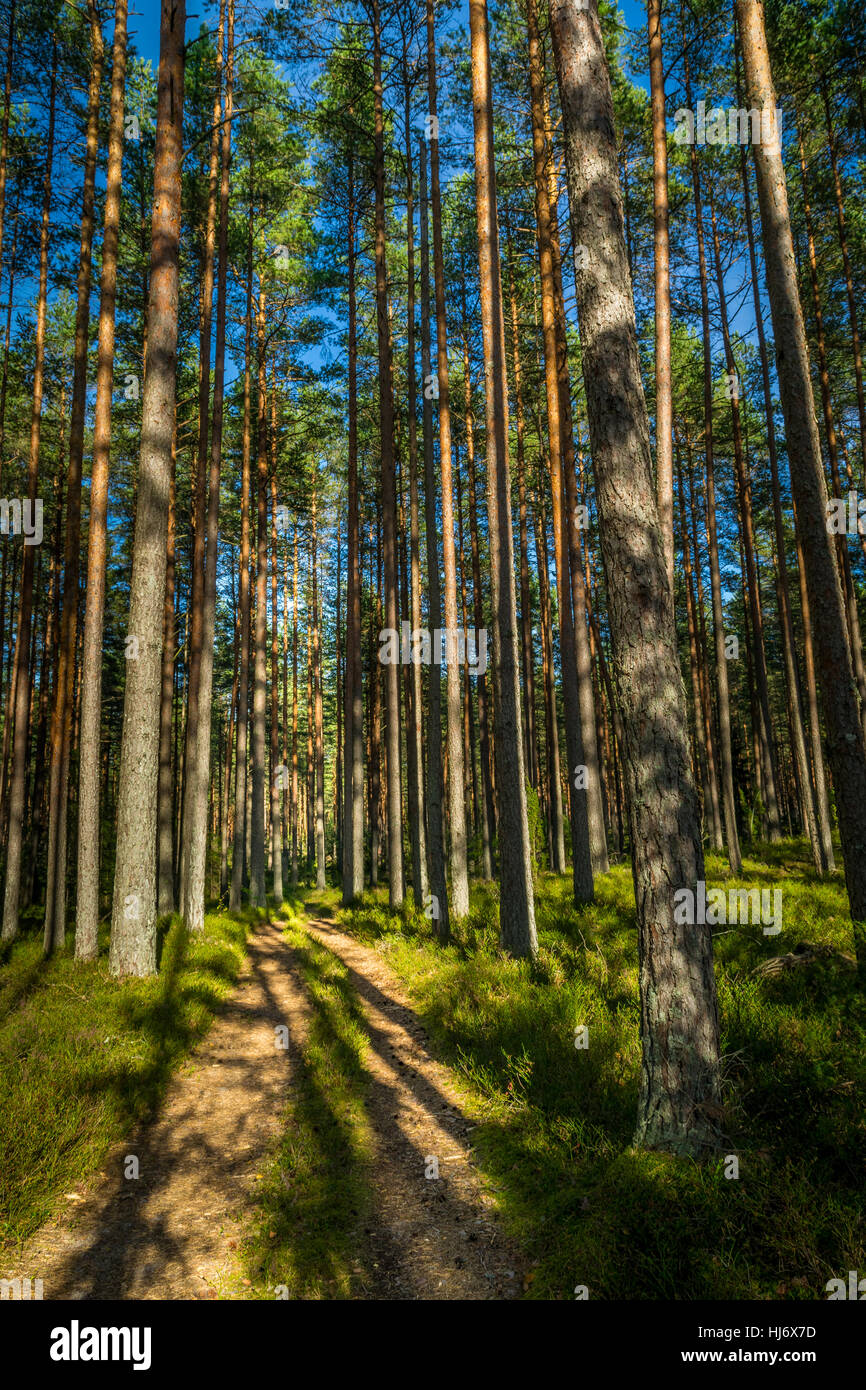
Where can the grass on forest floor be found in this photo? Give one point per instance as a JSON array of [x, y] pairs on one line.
[[556, 1123], [83, 1057], [315, 1193]]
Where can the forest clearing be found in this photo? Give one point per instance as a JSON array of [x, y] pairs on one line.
[[432, 683]]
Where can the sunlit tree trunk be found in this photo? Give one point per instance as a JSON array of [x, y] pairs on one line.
[[846, 747], [435, 836], [199, 745], [752, 596], [22, 667], [679, 1015], [661, 247], [133, 926], [578, 788], [819, 834], [729, 804], [239, 847], [258, 892], [165, 810], [453, 712], [517, 901], [353, 830], [488, 813]]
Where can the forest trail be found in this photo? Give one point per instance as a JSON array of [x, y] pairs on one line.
[[176, 1231], [433, 1238]]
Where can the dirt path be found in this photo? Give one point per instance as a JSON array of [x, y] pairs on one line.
[[176, 1230], [167, 1233], [435, 1238]]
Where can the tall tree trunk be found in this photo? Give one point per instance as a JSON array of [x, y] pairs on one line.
[[240, 841], [388, 486], [90, 712], [226, 783], [61, 719], [198, 729], [661, 248], [847, 750], [595, 804], [295, 708], [753, 597], [133, 927], [848, 592], [21, 676], [453, 712], [856, 351], [165, 813], [353, 834], [819, 835], [809, 666], [276, 780], [554, 780], [526, 650], [435, 836], [488, 813], [517, 900], [319, 765], [729, 804], [4, 125], [578, 801], [415, 750], [679, 1015], [703, 660], [258, 891]]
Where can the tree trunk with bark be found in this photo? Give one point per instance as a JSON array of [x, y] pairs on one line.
[[133, 927], [846, 748], [679, 1014]]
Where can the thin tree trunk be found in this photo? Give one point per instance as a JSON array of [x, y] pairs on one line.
[[295, 708], [258, 890], [844, 728], [582, 877], [661, 248], [488, 813], [819, 835], [453, 712], [276, 780], [415, 749], [517, 901], [753, 598], [240, 839], [435, 836], [353, 834], [165, 814], [856, 352], [229, 735], [729, 805], [21, 676], [198, 728], [61, 719], [388, 488]]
